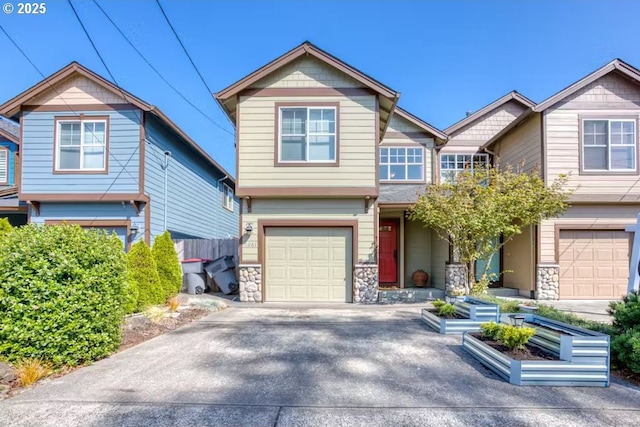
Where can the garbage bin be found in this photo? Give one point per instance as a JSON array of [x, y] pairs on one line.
[[222, 270], [194, 276]]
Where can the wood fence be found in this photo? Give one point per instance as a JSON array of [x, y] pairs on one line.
[[206, 248]]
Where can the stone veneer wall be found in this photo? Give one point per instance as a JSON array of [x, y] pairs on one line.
[[365, 283], [547, 281], [454, 278], [250, 277]]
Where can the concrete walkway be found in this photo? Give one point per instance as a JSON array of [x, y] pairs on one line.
[[274, 366]]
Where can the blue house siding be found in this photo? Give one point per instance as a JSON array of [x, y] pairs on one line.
[[194, 195], [91, 211], [38, 151], [12, 149]]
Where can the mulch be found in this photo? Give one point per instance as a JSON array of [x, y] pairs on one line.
[[529, 352], [455, 316]]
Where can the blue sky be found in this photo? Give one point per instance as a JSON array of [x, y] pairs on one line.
[[445, 57]]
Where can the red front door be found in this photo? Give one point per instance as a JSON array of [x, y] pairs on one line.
[[388, 251]]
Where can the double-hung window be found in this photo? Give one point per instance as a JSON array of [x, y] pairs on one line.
[[4, 165], [81, 145], [609, 145], [452, 164], [402, 164], [227, 197], [307, 134]]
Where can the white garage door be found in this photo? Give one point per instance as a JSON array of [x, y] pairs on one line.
[[593, 264], [308, 264]]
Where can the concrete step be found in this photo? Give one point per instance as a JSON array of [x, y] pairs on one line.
[[504, 292], [409, 295]]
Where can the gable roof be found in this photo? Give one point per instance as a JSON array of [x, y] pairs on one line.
[[511, 96], [615, 65], [10, 130], [420, 123], [12, 107]]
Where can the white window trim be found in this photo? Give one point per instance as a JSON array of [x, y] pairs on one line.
[[5, 179], [406, 165], [227, 197], [82, 145], [306, 135], [485, 155], [608, 147]]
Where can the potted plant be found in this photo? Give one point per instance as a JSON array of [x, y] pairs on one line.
[[420, 278], [529, 306]]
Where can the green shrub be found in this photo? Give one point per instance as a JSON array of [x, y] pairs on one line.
[[5, 226], [572, 319], [438, 303], [446, 310], [131, 297], [143, 276], [62, 291], [626, 313], [168, 263], [513, 337], [480, 287], [491, 329], [625, 349], [506, 306]]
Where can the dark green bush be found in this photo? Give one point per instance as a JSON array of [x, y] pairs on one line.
[[572, 319], [626, 313], [62, 290], [143, 276], [625, 349], [5, 226], [168, 263]]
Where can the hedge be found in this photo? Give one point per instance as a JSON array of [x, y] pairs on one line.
[[168, 264]]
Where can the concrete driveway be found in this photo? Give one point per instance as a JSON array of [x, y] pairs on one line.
[[270, 366]]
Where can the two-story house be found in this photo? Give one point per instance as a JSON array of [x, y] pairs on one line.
[[10, 206], [93, 154], [589, 131]]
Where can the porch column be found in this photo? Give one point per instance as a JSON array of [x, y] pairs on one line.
[[454, 278], [365, 283], [547, 281]]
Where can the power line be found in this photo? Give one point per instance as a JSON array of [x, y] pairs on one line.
[[158, 72], [186, 52]]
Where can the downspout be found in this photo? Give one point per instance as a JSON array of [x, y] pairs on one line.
[[218, 219], [165, 168]]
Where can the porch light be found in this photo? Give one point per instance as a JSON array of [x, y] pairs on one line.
[[248, 228], [450, 299], [133, 229], [516, 319]]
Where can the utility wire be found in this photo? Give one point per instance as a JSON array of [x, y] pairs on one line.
[[158, 72], [186, 52]]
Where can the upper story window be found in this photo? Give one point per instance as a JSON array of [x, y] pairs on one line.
[[81, 145], [402, 164], [308, 134], [227, 197], [4, 165], [609, 145], [452, 164]]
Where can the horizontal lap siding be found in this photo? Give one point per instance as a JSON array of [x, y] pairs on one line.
[[306, 72], [38, 158], [523, 144], [194, 194], [486, 127], [310, 209], [356, 145], [589, 215], [11, 148]]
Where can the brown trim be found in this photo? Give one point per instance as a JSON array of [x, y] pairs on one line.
[[3, 148], [376, 235], [14, 208], [605, 198], [35, 206], [142, 152], [577, 226], [241, 240], [378, 141], [524, 116], [407, 135], [511, 96], [147, 222], [96, 223], [264, 223], [81, 118], [237, 121], [305, 49], [615, 65], [394, 205], [595, 116], [9, 136], [306, 91], [83, 197], [420, 123], [543, 146], [307, 191], [276, 136], [74, 108], [17, 174]]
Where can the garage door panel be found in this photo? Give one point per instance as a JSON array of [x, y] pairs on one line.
[[594, 264], [311, 264]]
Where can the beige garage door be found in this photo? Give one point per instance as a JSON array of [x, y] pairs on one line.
[[308, 264], [593, 264]]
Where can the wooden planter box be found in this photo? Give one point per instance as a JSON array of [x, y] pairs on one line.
[[476, 312], [584, 357]]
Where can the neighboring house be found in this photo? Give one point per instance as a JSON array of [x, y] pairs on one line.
[[326, 162], [10, 206], [94, 154], [590, 131]]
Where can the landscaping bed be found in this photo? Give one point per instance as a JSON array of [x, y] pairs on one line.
[[464, 316], [530, 352]]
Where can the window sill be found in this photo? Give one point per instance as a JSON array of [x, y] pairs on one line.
[[227, 208], [608, 173], [307, 164], [81, 172], [386, 181]]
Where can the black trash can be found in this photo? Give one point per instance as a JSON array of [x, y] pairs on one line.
[[222, 271]]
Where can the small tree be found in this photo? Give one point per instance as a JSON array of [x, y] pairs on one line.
[[480, 206], [5, 227], [143, 276], [169, 270]]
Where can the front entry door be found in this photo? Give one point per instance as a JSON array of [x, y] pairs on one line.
[[388, 251]]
